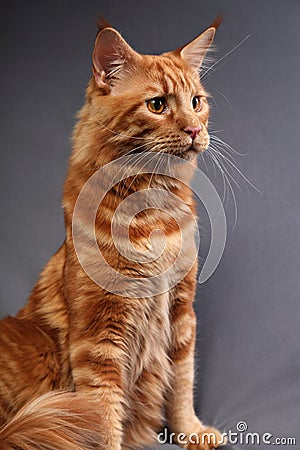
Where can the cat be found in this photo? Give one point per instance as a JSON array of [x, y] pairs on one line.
[[83, 367]]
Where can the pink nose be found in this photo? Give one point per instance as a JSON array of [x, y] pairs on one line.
[[193, 131]]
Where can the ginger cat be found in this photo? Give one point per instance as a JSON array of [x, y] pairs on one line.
[[82, 367]]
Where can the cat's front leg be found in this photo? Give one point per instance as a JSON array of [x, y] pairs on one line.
[[97, 370], [188, 431]]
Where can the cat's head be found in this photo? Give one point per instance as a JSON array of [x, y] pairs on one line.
[[149, 103]]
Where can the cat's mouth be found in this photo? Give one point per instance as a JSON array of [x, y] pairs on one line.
[[186, 152], [191, 150]]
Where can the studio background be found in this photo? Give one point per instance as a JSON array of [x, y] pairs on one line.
[[248, 364]]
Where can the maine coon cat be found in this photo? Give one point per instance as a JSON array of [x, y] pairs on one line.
[[82, 367]]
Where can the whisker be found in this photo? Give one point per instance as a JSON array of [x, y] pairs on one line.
[[225, 197], [124, 192], [226, 190], [224, 96], [152, 174], [230, 163], [120, 134], [130, 152], [218, 147], [209, 70], [225, 174], [135, 150], [219, 155], [202, 155], [126, 188], [217, 164], [225, 144], [122, 181]]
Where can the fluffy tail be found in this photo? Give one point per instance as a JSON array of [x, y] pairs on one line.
[[55, 421]]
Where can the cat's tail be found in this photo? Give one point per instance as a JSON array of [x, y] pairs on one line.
[[55, 421]]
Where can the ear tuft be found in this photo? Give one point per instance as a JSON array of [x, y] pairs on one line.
[[217, 22], [195, 51], [102, 23]]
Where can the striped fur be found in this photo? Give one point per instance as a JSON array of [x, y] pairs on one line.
[[121, 366]]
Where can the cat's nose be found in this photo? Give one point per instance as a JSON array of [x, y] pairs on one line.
[[193, 131]]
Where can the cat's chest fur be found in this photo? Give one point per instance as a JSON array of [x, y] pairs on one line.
[[153, 251], [148, 349], [156, 243], [149, 368]]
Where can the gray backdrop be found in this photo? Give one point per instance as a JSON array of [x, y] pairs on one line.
[[248, 364]]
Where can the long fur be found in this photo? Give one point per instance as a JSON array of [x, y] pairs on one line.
[[124, 360], [55, 421]]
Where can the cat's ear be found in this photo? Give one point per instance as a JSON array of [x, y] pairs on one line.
[[111, 57], [195, 51]]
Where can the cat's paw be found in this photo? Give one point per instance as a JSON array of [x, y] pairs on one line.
[[209, 438]]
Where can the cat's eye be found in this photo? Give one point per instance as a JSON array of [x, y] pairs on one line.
[[157, 105], [197, 103]]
